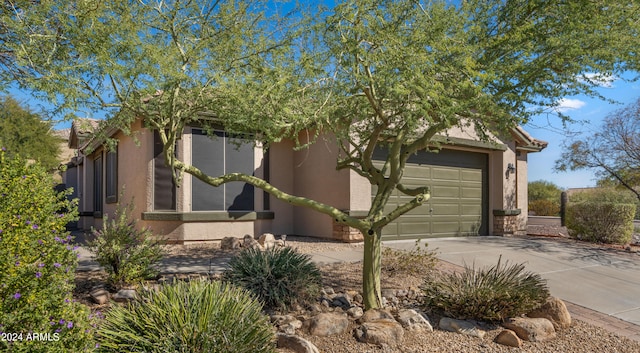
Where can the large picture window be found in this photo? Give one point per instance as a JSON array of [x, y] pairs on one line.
[[112, 176], [164, 188], [215, 156]]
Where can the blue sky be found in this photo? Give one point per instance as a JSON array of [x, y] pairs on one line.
[[544, 127], [590, 110]]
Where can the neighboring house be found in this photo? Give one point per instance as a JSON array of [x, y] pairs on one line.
[[477, 188]]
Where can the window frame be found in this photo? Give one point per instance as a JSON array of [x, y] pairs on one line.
[[111, 176]]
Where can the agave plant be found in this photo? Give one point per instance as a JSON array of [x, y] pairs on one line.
[[279, 277]]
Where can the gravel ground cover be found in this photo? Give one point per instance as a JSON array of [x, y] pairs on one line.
[[581, 337]]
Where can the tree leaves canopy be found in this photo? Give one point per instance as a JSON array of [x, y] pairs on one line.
[[24, 133]]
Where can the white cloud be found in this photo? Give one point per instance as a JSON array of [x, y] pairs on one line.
[[602, 80], [566, 104]]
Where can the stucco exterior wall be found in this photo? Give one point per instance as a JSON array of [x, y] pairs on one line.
[[316, 177], [281, 162]]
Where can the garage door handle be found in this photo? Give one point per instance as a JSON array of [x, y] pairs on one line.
[[430, 210]]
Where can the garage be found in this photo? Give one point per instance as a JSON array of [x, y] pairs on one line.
[[458, 205]]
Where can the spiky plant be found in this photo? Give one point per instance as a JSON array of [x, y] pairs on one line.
[[195, 316], [279, 277], [489, 294]]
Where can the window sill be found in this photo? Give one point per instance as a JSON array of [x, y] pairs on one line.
[[207, 216]]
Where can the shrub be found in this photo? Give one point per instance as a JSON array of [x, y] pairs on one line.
[[195, 316], [37, 262], [544, 207], [127, 254], [419, 261], [606, 195], [491, 294], [601, 222], [279, 277]]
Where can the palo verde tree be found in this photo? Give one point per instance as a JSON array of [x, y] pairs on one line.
[[25, 133], [385, 77], [613, 151]]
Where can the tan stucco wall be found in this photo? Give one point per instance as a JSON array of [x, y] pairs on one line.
[[316, 177], [281, 176]]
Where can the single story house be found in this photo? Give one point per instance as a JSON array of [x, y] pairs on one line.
[[477, 188]]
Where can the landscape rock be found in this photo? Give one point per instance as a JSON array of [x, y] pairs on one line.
[[125, 295], [296, 344], [327, 324], [555, 311], [375, 314], [413, 320], [508, 338], [342, 300], [461, 327], [230, 243], [267, 240], [249, 242], [531, 329], [383, 332], [286, 323], [99, 295], [355, 312]]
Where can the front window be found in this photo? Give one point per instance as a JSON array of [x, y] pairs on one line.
[[112, 176], [218, 155], [97, 186]]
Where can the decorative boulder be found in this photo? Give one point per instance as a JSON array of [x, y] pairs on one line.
[[508, 338], [267, 240], [413, 320], [531, 329], [230, 243], [296, 344], [327, 324], [383, 332], [461, 326], [555, 311], [375, 314]]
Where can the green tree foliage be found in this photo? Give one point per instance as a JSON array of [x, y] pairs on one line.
[[37, 263], [544, 198], [386, 76], [25, 133], [543, 190], [613, 151]]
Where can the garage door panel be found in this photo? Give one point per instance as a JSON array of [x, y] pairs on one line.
[[445, 174], [471, 175], [472, 192], [416, 172], [441, 191], [475, 210], [458, 188]]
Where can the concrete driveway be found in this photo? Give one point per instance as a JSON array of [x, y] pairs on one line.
[[602, 280]]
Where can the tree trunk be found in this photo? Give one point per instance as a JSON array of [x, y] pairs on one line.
[[371, 291]]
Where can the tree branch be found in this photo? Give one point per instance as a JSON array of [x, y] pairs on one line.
[[335, 213]]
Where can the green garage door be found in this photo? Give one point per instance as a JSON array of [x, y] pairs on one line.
[[458, 203]]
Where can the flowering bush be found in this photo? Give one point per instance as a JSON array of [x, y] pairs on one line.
[[37, 264], [127, 253]]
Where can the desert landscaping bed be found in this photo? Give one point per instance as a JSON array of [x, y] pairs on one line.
[[344, 277]]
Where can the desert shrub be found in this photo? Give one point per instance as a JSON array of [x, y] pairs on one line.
[[544, 207], [279, 277], [601, 222], [196, 316], [489, 294], [37, 263], [418, 261], [606, 195], [128, 254]]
